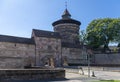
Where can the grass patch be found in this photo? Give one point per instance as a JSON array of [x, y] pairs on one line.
[[108, 81]]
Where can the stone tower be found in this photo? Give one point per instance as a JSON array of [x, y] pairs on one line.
[[68, 28]]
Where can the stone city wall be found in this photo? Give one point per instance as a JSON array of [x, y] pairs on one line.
[[16, 55], [73, 56], [48, 50], [106, 59]]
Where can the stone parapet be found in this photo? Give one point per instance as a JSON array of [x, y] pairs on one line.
[[31, 74]]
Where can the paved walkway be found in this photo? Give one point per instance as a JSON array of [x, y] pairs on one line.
[[107, 75], [74, 77], [100, 75]]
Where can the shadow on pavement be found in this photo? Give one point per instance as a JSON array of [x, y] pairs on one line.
[[48, 80]]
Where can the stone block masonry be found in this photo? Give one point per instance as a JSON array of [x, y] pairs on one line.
[[31, 74], [16, 55]]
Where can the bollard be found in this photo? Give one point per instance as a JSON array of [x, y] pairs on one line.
[[93, 75]]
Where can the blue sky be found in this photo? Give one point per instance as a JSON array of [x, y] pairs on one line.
[[19, 17]]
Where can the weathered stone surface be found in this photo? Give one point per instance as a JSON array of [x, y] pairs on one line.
[[15, 55], [48, 50], [69, 32], [73, 56], [31, 74], [106, 59]]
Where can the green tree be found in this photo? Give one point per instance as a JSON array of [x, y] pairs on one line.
[[116, 29], [102, 31]]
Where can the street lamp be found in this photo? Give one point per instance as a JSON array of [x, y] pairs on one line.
[[88, 61], [89, 53]]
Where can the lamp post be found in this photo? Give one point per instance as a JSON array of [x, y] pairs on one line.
[[85, 51], [88, 60], [89, 53]]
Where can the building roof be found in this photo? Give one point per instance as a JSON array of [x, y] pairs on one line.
[[66, 14], [13, 39], [66, 18], [62, 21], [48, 34]]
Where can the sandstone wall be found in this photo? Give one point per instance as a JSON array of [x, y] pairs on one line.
[[16, 55], [31, 74], [107, 59], [73, 56], [48, 50], [69, 32]]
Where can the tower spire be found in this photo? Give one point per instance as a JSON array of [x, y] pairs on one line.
[[66, 4], [66, 14]]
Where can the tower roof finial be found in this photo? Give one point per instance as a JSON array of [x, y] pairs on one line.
[[66, 4], [66, 14]]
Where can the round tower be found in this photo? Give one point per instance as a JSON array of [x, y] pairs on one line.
[[68, 28]]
